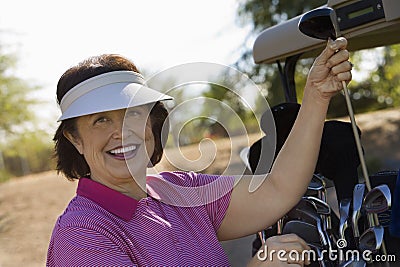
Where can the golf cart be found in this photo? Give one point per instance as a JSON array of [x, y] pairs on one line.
[[365, 24]]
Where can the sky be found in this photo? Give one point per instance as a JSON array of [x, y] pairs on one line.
[[50, 36]]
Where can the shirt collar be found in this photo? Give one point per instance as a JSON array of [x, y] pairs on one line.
[[109, 199]]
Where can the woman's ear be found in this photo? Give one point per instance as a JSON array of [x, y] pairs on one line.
[[76, 141]]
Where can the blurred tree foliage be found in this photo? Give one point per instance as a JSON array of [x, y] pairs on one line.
[[230, 113], [23, 148], [381, 88], [30, 152], [14, 102], [378, 89]]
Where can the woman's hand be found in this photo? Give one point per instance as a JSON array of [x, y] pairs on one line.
[[330, 68], [284, 250]]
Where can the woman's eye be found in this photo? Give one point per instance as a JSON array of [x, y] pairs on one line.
[[134, 113], [101, 120]]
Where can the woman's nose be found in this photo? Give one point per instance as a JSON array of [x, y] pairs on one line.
[[123, 130], [118, 130]]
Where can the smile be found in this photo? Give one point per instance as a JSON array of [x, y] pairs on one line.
[[124, 153]]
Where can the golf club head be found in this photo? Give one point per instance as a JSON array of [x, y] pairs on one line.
[[304, 230], [319, 178], [378, 199], [323, 209], [304, 206], [321, 206], [344, 209], [320, 23], [358, 196], [372, 239], [317, 185], [304, 212]]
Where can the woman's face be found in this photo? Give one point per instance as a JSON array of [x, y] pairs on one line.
[[111, 140]]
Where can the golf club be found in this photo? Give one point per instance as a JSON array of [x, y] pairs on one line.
[[321, 23], [306, 212], [344, 209], [310, 234], [372, 239], [304, 230], [358, 196], [323, 209], [376, 201], [317, 184]]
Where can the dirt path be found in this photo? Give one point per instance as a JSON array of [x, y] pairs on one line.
[[28, 210], [30, 205]]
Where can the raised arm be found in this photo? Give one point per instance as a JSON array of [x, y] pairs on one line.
[[292, 171]]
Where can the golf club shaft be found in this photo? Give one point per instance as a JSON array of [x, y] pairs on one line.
[[356, 136], [358, 144], [375, 220]]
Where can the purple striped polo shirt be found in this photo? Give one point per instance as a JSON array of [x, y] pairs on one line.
[[102, 227]]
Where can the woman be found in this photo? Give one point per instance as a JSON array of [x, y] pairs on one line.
[[112, 129]]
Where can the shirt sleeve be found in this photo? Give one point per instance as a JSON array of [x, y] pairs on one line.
[[75, 246], [216, 191]]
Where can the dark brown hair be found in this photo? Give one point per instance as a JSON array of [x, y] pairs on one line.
[[69, 162]]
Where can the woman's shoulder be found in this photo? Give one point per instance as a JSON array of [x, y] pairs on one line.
[[83, 213]]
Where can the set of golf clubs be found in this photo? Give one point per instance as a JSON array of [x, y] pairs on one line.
[[310, 219], [365, 205]]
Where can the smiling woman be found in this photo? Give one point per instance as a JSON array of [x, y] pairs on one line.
[[99, 139], [113, 127], [95, 74]]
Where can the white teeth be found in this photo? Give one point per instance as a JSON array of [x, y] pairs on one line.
[[122, 150]]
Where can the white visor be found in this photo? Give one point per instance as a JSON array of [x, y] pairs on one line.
[[106, 92]]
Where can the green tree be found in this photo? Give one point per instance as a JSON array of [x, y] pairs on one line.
[[381, 87], [30, 152], [385, 80], [14, 100], [20, 152]]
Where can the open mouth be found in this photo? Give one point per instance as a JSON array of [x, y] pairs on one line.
[[125, 152]]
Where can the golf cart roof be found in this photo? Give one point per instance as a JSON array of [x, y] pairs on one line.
[[366, 24]]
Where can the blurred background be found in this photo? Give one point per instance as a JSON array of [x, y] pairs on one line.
[[40, 39]]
